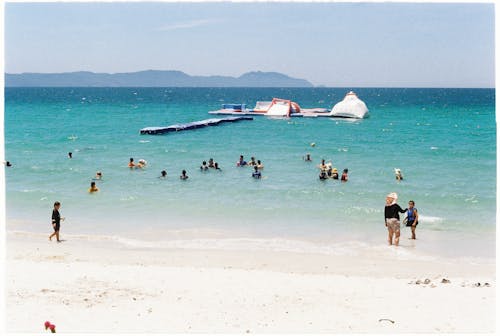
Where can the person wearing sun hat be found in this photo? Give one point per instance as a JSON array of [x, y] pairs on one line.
[[335, 174], [391, 220]]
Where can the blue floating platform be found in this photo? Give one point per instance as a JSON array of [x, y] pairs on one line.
[[192, 125]]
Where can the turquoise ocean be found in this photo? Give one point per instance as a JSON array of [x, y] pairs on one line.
[[443, 140]]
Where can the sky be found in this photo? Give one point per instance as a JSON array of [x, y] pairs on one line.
[[330, 44]]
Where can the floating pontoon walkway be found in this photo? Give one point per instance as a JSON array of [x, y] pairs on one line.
[[191, 125]]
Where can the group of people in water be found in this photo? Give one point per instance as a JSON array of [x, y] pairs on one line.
[[257, 166], [93, 187], [211, 164], [327, 171], [205, 166], [141, 164], [391, 211]]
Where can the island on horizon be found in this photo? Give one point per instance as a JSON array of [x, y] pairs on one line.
[[151, 78]]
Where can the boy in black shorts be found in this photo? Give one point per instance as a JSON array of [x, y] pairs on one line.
[[56, 221]]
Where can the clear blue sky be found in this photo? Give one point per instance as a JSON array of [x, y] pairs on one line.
[[332, 44]]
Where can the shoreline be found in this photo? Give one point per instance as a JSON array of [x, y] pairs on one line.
[[429, 245], [116, 288]]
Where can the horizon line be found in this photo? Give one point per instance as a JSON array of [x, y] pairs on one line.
[[256, 87]]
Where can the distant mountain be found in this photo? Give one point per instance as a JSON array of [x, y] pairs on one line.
[[152, 78]]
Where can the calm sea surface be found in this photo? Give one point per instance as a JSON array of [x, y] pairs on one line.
[[443, 140]]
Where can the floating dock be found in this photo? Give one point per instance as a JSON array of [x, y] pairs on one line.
[[192, 125]]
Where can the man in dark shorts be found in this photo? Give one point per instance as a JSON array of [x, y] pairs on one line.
[[56, 221]]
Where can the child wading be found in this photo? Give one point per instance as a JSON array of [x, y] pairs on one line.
[[412, 217]]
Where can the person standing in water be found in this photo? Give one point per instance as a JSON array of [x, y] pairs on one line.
[[184, 175], [141, 164], [322, 175], [399, 174], [322, 166], [241, 162], [412, 218], [391, 220], [256, 174], [93, 188], [204, 166], [344, 177], [335, 174], [56, 221]]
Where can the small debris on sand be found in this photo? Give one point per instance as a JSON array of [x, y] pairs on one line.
[[384, 319]]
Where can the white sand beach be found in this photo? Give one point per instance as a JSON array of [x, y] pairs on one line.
[[87, 286]]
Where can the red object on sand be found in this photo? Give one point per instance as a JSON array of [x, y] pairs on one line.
[[47, 325], [52, 328]]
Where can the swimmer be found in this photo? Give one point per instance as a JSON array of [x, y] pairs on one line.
[[335, 174], [211, 163], [322, 175], [93, 188], [184, 176], [322, 166], [70, 155], [163, 174], [241, 162], [131, 163], [256, 174], [8, 164], [204, 166], [142, 163], [343, 178], [98, 176], [307, 157], [259, 165], [329, 170], [216, 166], [399, 175], [252, 162]]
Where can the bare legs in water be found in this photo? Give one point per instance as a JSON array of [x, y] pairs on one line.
[[394, 234]]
